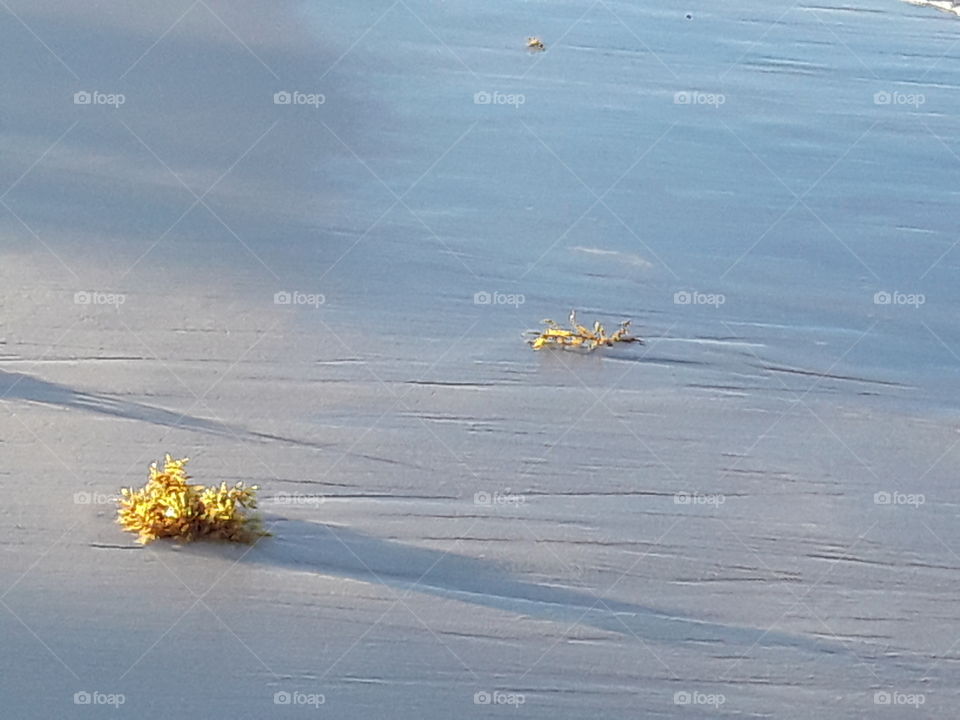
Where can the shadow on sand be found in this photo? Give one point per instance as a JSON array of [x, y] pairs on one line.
[[338, 551], [27, 388], [19, 386]]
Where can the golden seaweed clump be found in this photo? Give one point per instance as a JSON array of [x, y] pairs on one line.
[[580, 337], [169, 506], [535, 44]]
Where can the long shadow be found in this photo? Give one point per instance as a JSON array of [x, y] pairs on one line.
[[20, 386], [334, 550]]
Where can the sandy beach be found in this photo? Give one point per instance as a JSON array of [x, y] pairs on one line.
[[300, 242]]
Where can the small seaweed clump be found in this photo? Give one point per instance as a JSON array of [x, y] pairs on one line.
[[169, 506], [580, 337]]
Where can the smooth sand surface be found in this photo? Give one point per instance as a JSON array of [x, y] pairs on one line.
[[751, 515]]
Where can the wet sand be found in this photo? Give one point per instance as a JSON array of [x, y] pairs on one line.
[[750, 515]]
